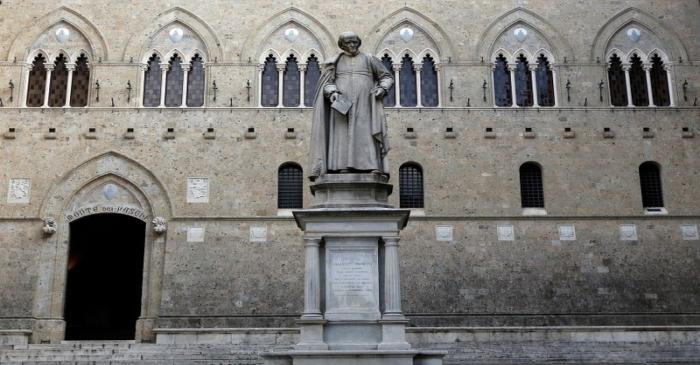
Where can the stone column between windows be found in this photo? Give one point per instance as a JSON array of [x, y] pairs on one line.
[[533, 81], [650, 95], [69, 83], [164, 67], [417, 67], [312, 279], [438, 68], [513, 94], [261, 68], [628, 85], [554, 84], [302, 78], [671, 99], [280, 84], [47, 87], [142, 81], [185, 71], [493, 84], [392, 281], [28, 69], [397, 85]]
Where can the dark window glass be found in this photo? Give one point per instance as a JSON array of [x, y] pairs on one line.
[[545, 82], [523, 82], [290, 186], [37, 82], [313, 74], [650, 181], [429, 82], [195, 82], [616, 79], [390, 97], [411, 186], [173, 82], [59, 82], [270, 83], [638, 82], [291, 82], [501, 82], [81, 83], [659, 82], [407, 74], [151, 82], [531, 190]]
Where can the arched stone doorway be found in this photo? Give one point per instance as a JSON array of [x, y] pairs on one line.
[[104, 279], [111, 187]]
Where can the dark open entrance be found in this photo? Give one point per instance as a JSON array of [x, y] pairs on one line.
[[105, 270]]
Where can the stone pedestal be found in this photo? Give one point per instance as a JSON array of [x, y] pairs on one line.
[[352, 289]]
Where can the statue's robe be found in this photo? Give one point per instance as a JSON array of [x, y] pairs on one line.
[[357, 141]]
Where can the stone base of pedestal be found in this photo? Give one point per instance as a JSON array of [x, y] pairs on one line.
[[370, 190], [407, 357]]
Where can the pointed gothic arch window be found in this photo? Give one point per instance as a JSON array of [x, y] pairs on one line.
[[659, 82], [616, 80], [173, 82], [59, 82], [650, 183], [152, 82], [270, 83], [290, 182], [523, 82], [531, 189], [411, 185], [313, 74], [429, 82], [501, 82], [291, 82], [407, 86], [638, 82], [37, 82], [195, 82], [390, 97], [81, 83], [545, 82]]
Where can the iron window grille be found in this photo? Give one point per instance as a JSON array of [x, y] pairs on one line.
[[411, 186], [650, 183], [531, 189], [290, 187]]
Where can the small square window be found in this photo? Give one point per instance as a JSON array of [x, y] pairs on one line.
[[12, 130], [567, 129], [130, 130], [449, 129], [91, 130], [290, 130], [210, 130], [645, 129], [409, 129], [251, 130], [606, 129], [52, 130], [489, 129], [528, 129], [686, 129], [171, 130]]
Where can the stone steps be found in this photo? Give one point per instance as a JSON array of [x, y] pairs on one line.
[[130, 353]]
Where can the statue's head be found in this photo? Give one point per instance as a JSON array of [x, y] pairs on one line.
[[350, 43]]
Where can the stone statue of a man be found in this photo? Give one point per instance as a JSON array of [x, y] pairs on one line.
[[349, 128]]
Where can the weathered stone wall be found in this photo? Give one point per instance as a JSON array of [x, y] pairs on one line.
[[471, 182]]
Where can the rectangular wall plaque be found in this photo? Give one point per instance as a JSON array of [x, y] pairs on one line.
[[506, 232], [567, 232], [628, 232], [198, 190], [195, 234], [689, 232], [443, 232], [18, 191]]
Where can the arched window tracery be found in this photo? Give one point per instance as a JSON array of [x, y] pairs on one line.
[[173, 82], [407, 82], [36, 85], [59, 82], [523, 82], [638, 82], [502, 82], [269, 91], [152, 82], [81, 82], [291, 81], [311, 77], [659, 82], [617, 82], [429, 83], [545, 82], [196, 82]]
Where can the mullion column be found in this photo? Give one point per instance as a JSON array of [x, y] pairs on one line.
[[261, 68], [397, 84], [281, 67], [671, 100], [185, 72], [417, 68], [647, 73], [438, 68], [554, 84], [513, 94], [142, 78], [533, 79], [164, 67], [69, 84], [628, 85], [302, 89], [47, 88]]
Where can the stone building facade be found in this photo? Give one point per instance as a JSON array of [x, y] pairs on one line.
[[193, 157]]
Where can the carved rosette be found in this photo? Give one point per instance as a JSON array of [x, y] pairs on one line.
[[159, 225], [49, 226]]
